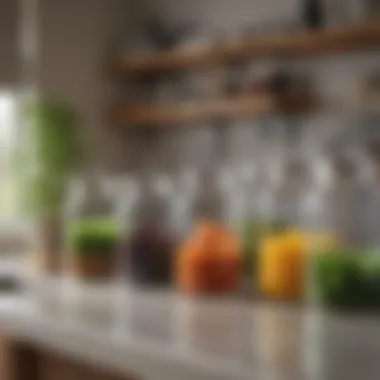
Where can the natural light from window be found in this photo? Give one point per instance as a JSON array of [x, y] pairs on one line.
[[8, 129]]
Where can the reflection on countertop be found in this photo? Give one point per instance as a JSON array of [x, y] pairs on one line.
[[161, 334]]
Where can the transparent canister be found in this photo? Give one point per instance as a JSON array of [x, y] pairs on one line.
[[278, 249], [92, 229], [345, 268], [149, 247], [209, 260]]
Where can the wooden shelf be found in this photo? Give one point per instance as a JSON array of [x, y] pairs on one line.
[[228, 108], [364, 37]]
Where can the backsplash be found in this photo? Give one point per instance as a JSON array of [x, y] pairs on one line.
[[336, 79]]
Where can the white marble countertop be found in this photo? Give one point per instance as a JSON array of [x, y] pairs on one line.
[[162, 335]]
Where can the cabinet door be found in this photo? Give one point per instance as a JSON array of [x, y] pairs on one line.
[[17, 361], [4, 358], [57, 367]]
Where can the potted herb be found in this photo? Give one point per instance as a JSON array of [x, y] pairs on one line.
[[45, 161], [93, 244]]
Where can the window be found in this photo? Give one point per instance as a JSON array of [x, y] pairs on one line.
[[8, 130]]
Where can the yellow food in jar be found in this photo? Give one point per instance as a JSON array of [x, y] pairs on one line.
[[282, 266]]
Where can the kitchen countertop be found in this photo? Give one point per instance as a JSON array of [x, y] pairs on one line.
[[162, 335]]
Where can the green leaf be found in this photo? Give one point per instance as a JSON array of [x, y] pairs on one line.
[[45, 161]]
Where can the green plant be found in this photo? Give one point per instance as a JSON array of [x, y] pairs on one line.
[[45, 158], [93, 237], [48, 157]]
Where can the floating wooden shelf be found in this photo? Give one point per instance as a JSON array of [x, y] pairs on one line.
[[228, 108], [365, 37]]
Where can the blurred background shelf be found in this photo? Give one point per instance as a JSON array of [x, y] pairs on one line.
[[362, 37], [227, 108]]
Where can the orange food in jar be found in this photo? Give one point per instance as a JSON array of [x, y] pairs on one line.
[[209, 261]]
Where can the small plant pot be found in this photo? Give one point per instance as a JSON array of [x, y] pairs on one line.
[[93, 266]]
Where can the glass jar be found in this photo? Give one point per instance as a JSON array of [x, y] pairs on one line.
[[149, 248], [92, 228], [279, 249], [346, 272], [209, 259], [283, 244]]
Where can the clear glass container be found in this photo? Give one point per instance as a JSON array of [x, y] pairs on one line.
[[182, 171], [282, 246], [147, 248], [279, 248], [346, 269], [347, 199], [209, 259], [127, 194], [212, 177], [92, 229], [258, 172]]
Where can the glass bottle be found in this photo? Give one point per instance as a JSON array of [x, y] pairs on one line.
[[213, 179], [367, 198], [209, 260], [346, 199], [282, 247], [149, 248]]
